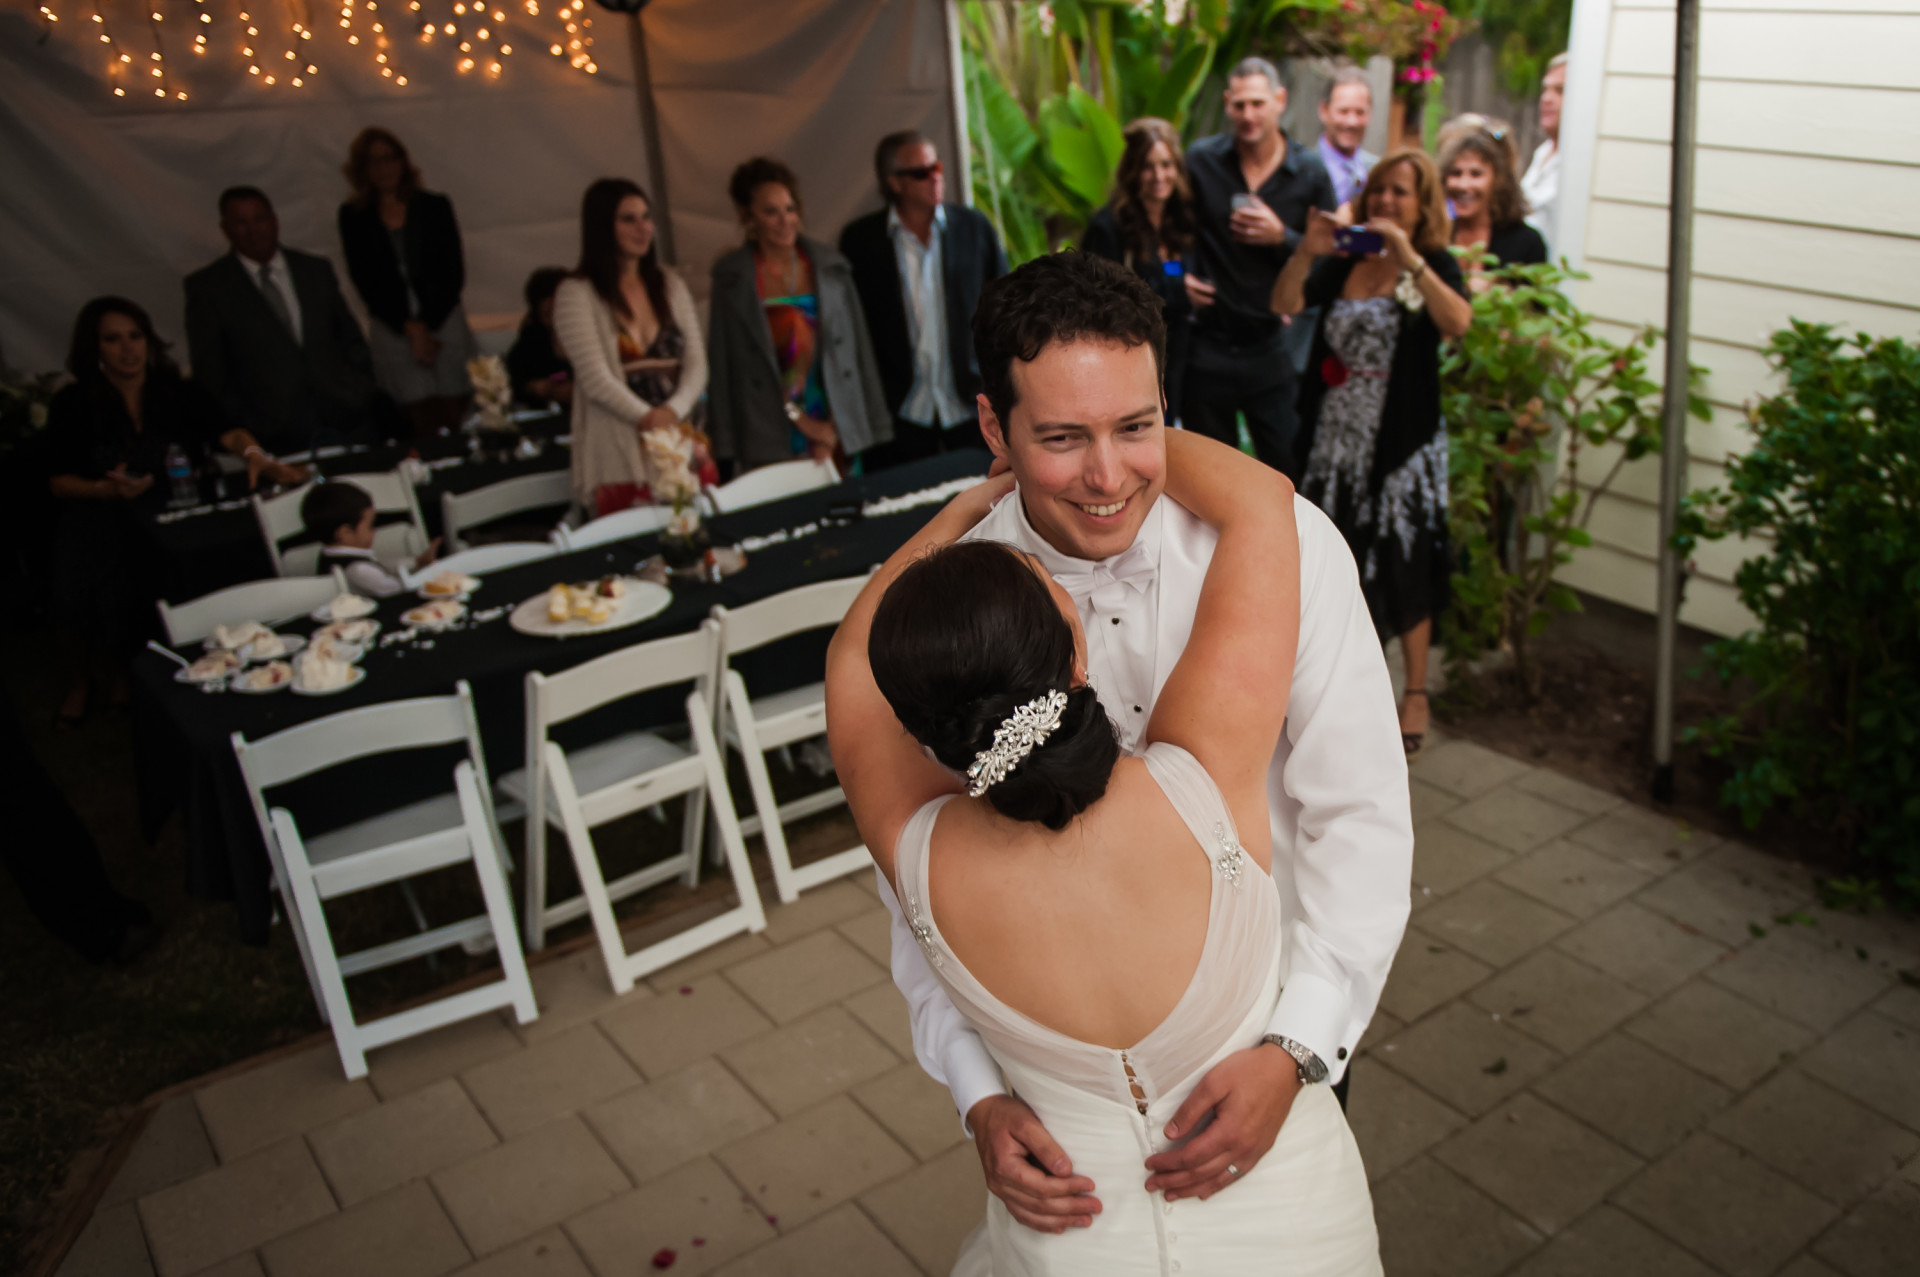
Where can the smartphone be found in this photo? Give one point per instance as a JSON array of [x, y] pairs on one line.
[[1359, 241], [1173, 268], [1244, 200]]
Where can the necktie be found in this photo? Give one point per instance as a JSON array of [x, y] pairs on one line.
[[276, 301], [1106, 586]]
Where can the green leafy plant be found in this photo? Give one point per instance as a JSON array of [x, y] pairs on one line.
[[1830, 723], [1528, 393]]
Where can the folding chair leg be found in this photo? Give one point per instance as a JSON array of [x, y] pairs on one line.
[[535, 915], [300, 943], [720, 798], [309, 915], [484, 836], [586, 863], [693, 828], [761, 786]]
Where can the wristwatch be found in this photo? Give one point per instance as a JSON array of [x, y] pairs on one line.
[[793, 412], [1312, 1069]]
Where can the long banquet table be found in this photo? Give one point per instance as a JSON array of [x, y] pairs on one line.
[[182, 734]]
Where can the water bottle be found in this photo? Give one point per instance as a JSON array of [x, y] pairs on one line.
[[180, 477]]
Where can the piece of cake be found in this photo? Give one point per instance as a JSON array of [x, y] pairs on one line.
[[238, 636], [214, 664], [355, 632], [323, 674], [559, 604], [263, 677], [347, 606], [266, 647]]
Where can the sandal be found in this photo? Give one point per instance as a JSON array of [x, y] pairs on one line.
[[1412, 741]]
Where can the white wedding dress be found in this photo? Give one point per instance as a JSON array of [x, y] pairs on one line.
[[1303, 1210]]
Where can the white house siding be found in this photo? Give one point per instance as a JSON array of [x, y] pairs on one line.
[[1807, 199]]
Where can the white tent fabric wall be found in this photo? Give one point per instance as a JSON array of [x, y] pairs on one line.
[[116, 195]]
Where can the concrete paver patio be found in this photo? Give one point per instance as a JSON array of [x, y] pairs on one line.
[[1609, 1045]]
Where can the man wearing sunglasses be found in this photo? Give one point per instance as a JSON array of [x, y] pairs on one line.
[[919, 265]]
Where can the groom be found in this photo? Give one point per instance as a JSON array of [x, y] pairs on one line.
[[1083, 433]]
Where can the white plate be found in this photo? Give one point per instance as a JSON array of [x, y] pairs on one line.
[[471, 583], [643, 599], [359, 676], [184, 675], [366, 642], [351, 653], [409, 617], [208, 645], [294, 643], [324, 612], [237, 684]]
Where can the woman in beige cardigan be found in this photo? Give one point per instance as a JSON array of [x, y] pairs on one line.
[[628, 327]]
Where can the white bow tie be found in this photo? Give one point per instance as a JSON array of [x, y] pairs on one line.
[[1107, 584]]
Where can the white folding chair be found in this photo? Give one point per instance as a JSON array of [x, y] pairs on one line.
[[392, 493], [453, 828], [480, 560], [770, 483], [755, 726], [576, 791], [500, 500], [274, 599], [617, 526]]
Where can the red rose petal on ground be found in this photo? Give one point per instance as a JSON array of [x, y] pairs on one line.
[[686, 988], [664, 1257], [699, 1241]]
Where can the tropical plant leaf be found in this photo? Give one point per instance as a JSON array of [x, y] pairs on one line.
[[1181, 81]]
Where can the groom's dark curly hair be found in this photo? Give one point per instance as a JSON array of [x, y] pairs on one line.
[[1068, 296]]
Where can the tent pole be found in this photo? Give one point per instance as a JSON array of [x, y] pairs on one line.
[[1673, 436], [962, 122], [650, 137]]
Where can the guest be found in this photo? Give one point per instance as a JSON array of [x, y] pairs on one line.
[[1541, 182], [108, 434], [919, 266], [536, 365], [1147, 226], [1476, 162], [1346, 109], [1374, 441], [793, 369], [1252, 190], [403, 251], [269, 333], [627, 325], [341, 517]]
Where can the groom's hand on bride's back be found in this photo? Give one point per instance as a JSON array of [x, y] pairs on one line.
[[1027, 1170], [1249, 1094]]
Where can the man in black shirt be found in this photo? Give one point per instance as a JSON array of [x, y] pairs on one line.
[[1252, 189]]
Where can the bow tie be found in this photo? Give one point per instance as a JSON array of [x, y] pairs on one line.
[[1106, 586]]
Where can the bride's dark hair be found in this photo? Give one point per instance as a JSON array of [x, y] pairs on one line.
[[964, 637]]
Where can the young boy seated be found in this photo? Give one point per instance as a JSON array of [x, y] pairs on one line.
[[340, 516]]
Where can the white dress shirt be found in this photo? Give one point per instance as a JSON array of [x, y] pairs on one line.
[[274, 274], [932, 400], [1541, 186], [1337, 792]]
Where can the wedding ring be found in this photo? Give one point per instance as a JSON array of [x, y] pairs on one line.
[[1232, 1169]]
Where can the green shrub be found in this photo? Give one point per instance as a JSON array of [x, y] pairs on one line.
[[1830, 727]]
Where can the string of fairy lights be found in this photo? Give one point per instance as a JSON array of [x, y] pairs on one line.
[[476, 29]]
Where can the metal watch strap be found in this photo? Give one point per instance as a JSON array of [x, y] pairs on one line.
[[1312, 1068]]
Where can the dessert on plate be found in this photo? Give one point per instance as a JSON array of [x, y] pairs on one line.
[[347, 606], [438, 612], [448, 584], [233, 637], [327, 647], [218, 663], [264, 678], [266, 647], [349, 631], [319, 673]]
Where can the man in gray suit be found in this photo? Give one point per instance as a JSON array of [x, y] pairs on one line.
[[269, 334]]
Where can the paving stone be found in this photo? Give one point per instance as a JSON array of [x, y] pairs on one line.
[[403, 1233], [1808, 1266], [1537, 1162], [1726, 1207], [549, 1254], [1876, 1061], [872, 934], [1723, 903], [716, 958], [1428, 972], [1878, 1238], [111, 1245], [1891, 943], [1466, 770], [1514, 819], [1494, 923], [805, 1166], [409, 1065], [1634, 1094], [929, 1212], [1611, 1243], [696, 1213], [915, 1109], [247, 1265], [573, 989], [291, 1095], [528, 1183], [685, 1115], [1467, 1058], [1430, 802], [1446, 858], [1572, 878], [1901, 1004], [218, 1215], [1434, 1224], [804, 976], [371, 1152], [884, 1010], [795, 1067], [841, 1243], [1641, 948], [1810, 1133], [1801, 979], [173, 1147], [1644, 839], [555, 1075], [1724, 1036], [1779, 871], [1383, 1026], [1564, 791], [689, 1022], [1564, 1003], [1394, 1121], [818, 907]]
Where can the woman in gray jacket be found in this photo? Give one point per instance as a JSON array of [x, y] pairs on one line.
[[793, 369]]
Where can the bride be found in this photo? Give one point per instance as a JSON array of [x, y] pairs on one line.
[[1095, 916]]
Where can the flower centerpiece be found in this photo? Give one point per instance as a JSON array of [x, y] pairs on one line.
[[493, 404], [669, 453]]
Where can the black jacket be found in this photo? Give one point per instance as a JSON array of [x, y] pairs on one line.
[[970, 255], [1103, 238], [1516, 244], [436, 266]]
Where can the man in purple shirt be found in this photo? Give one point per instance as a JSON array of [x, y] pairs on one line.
[[1346, 107]]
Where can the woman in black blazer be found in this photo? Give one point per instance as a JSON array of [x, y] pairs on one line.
[[402, 246], [1148, 227], [1477, 163]]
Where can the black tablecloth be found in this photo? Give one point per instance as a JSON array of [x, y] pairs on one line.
[[183, 734]]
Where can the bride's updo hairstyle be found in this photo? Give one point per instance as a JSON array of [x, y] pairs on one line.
[[964, 637]]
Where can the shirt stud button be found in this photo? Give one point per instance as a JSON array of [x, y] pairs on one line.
[[1136, 709], [1116, 620], [1341, 1054]]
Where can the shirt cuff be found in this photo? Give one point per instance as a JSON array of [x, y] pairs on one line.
[[1311, 1011], [972, 1075]]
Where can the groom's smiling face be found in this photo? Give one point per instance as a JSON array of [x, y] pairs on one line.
[[1086, 441]]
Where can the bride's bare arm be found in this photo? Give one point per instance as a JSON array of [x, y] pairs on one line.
[[1226, 699], [883, 770]]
